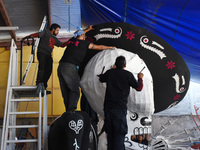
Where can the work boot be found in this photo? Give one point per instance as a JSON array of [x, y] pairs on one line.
[[48, 92], [40, 87]]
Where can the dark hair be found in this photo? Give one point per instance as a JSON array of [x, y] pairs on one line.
[[120, 62], [54, 26]]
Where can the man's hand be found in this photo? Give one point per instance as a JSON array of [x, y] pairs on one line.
[[113, 66], [90, 28], [101, 71], [99, 75], [140, 75], [112, 47]]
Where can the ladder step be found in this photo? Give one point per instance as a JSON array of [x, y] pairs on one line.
[[22, 141], [23, 126], [24, 100], [24, 113], [22, 88]]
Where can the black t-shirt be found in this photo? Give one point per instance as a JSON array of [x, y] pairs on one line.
[[47, 42], [75, 51], [118, 83]]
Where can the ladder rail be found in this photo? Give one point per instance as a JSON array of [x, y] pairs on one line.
[[13, 53], [7, 122], [45, 104], [22, 141], [40, 121], [34, 49], [23, 126], [10, 141], [12, 118]]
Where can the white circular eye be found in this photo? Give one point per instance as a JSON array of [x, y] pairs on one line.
[[145, 40], [181, 89], [117, 31]]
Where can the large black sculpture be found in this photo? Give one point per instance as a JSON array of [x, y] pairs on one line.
[[72, 132], [170, 73]]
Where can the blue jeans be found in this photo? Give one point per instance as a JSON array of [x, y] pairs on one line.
[[69, 84], [116, 128]]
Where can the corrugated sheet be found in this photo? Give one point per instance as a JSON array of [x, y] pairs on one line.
[[67, 15], [26, 14]]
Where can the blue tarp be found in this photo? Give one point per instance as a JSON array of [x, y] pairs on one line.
[[176, 21]]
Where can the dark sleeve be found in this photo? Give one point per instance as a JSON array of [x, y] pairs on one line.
[[103, 77], [66, 43], [58, 42], [138, 85], [140, 82], [88, 43], [41, 34], [34, 35]]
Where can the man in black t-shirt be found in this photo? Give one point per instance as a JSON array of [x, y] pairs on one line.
[[118, 82], [47, 41], [69, 64]]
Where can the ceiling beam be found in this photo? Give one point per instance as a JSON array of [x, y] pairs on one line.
[[8, 28], [7, 19], [49, 10], [18, 43]]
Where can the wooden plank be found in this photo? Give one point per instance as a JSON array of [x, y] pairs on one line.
[[6, 19]]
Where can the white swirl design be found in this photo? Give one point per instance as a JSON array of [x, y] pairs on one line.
[[110, 36], [76, 127], [153, 49]]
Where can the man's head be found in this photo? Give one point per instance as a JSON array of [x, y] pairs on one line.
[[79, 34], [54, 29], [120, 62]]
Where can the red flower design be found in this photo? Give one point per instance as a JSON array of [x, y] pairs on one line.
[[177, 97], [130, 35], [51, 42], [170, 65]]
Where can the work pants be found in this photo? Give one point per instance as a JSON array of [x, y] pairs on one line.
[[69, 84], [44, 68], [115, 128]]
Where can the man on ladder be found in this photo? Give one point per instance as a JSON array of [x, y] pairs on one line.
[[47, 41]]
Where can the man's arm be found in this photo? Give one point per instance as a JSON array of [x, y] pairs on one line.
[[140, 81], [102, 76], [100, 47], [88, 29], [31, 35], [66, 43], [136, 84], [97, 47]]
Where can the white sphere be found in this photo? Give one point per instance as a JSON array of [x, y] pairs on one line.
[[94, 90]]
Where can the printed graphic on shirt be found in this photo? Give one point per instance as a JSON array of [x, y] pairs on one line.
[[51, 42]]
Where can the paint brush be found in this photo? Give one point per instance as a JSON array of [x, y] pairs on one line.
[[102, 69], [142, 69]]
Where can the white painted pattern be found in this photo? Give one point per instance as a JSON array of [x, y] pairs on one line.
[[76, 127]]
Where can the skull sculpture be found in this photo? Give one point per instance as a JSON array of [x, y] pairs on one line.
[[140, 104]]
